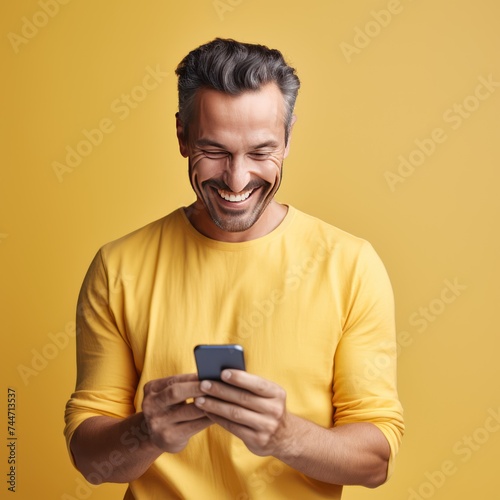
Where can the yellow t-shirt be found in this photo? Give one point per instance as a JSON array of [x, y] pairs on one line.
[[311, 305]]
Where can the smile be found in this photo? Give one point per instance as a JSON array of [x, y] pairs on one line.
[[228, 196]]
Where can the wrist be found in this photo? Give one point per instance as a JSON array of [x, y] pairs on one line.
[[291, 444], [136, 434]]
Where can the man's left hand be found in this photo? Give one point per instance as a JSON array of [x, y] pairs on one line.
[[250, 407]]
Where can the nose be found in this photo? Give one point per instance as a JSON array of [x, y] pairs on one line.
[[237, 174]]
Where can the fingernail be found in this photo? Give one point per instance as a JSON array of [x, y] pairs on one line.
[[205, 385], [226, 375], [199, 401]]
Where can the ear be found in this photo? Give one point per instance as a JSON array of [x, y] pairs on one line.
[[287, 147], [181, 136]]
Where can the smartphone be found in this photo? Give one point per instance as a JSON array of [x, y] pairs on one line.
[[211, 359]]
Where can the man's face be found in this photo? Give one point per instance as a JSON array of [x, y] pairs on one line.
[[236, 147]]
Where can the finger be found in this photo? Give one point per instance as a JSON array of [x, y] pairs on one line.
[[232, 394], [246, 434], [235, 414], [261, 442], [199, 425], [172, 400], [253, 383], [176, 393], [194, 426], [174, 438], [161, 383], [179, 393], [183, 413]]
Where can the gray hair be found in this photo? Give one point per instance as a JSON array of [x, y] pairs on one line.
[[233, 67]]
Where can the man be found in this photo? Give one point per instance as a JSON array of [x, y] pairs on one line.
[[311, 304]]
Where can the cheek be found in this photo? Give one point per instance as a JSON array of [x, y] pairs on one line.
[[202, 168], [272, 172]]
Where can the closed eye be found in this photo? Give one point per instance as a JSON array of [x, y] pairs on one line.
[[215, 155], [259, 156]]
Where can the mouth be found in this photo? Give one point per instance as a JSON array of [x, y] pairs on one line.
[[235, 197]]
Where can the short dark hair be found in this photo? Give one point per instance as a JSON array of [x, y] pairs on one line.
[[233, 67]]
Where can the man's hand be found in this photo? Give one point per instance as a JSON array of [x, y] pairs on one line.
[[171, 420], [250, 407], [254, 409]]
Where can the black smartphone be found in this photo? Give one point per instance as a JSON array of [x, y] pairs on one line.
[[211, 359]]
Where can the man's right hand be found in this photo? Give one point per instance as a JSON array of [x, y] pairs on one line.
[[172, 420]]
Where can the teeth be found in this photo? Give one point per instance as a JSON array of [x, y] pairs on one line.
[[234, 197]]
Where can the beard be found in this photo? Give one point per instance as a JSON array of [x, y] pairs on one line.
[[234, 219]]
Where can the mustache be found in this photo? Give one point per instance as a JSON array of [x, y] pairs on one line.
[[219, 184]]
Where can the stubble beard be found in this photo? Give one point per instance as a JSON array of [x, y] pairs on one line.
[[235, 221]]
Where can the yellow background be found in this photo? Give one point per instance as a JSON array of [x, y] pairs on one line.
[[357, 114]]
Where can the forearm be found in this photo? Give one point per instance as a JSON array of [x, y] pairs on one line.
[[113, 450], [351, 454]]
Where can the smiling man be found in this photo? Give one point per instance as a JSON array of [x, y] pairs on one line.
[[312, 306], [236, 150]]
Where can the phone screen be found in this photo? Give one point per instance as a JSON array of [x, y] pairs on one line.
[[211, 359]]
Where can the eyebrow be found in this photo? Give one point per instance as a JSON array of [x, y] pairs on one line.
[[208, 142], [215, 144]]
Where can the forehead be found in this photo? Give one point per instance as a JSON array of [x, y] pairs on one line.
[[260, 112]]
